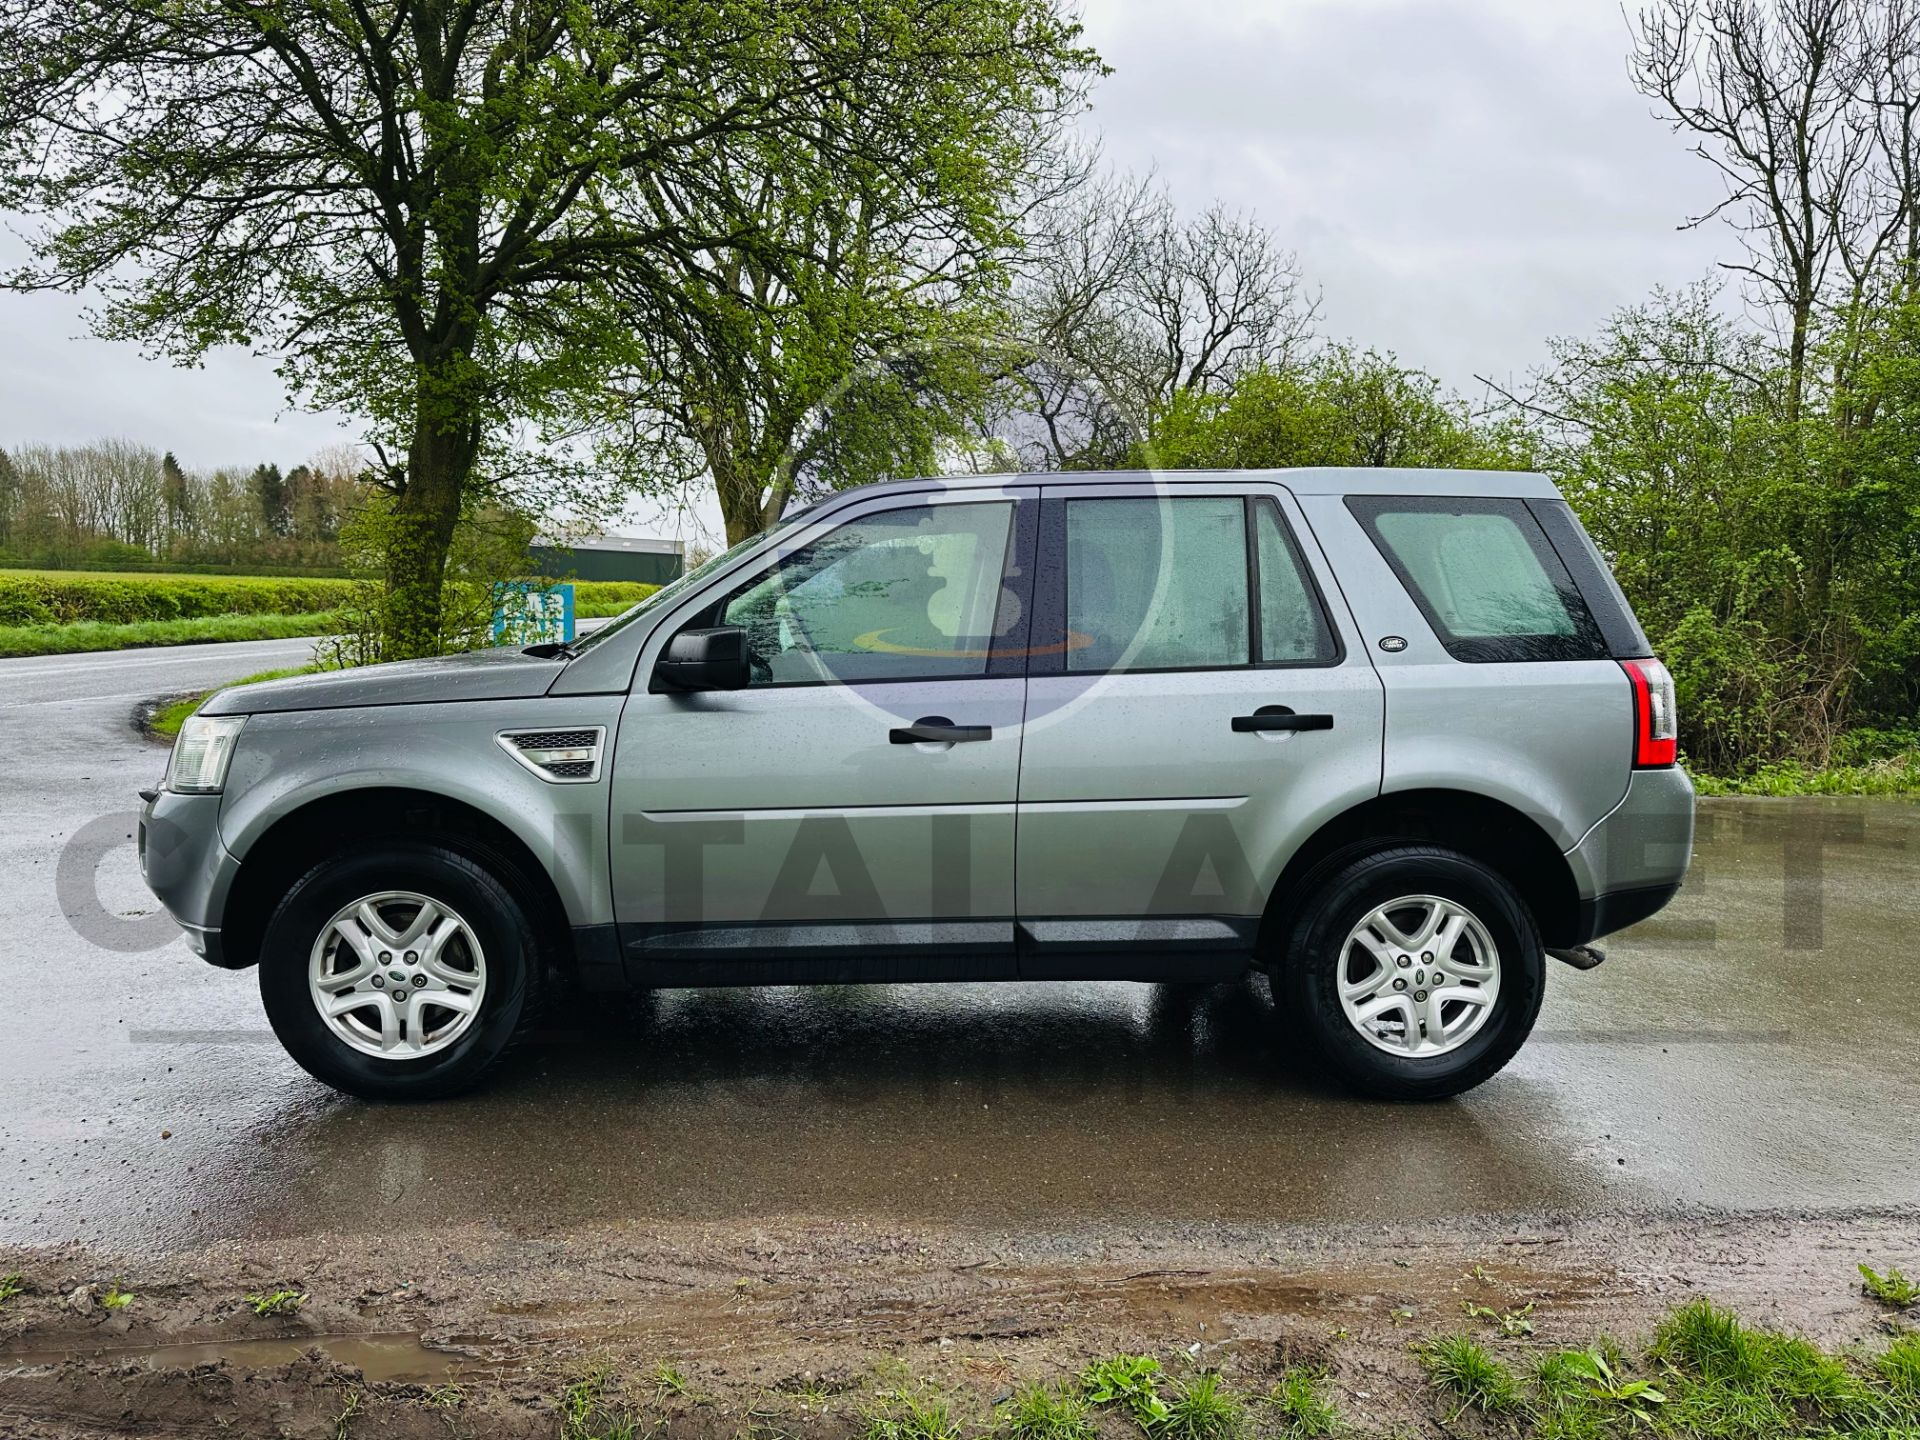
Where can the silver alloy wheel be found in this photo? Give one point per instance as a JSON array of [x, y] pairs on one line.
[[397, 975], [1419, 976]]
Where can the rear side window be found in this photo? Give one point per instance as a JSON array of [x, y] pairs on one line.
[[1193, 582], [1157, 585], [1625, 639], [1484, 575], [1293, 626]]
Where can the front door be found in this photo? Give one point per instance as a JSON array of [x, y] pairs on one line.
[[850, 814], [1197, 705]]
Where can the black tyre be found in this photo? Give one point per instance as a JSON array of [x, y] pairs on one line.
[[1414, 972], [403, 971]]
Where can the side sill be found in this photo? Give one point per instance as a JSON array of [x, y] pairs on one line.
[[1194, 948], [877, 952], [1207, 948]]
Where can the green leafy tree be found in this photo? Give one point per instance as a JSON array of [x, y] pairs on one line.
[[12, 493], [843, 341], [489, 548], [441, 215], [853, 365], [1771, 556], [1342, 407], [270, 493], [176, 495]]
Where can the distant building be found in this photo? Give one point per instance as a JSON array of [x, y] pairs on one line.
[[610, 557]]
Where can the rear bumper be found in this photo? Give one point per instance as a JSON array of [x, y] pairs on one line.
[[1617, 909], [1631, 863]]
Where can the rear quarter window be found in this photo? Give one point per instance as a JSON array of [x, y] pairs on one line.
[[1484, 575]]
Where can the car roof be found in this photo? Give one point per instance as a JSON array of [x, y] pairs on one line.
[[1304, 480]]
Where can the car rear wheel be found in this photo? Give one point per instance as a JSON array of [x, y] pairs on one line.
[[1415, 972], [401, 972]]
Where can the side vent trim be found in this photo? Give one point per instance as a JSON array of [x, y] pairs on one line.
[[560, 755]]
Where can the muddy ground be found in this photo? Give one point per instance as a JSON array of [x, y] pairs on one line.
[[799, 1329]]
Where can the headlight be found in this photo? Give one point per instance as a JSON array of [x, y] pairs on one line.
[[201, 754]]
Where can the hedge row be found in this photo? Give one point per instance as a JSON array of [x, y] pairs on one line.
[[73, 597], [66, 598], [597, 599]]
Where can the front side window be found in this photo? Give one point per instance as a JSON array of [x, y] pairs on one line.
[[1157, 584], [1485, 577], [914, 593], [686, 581]]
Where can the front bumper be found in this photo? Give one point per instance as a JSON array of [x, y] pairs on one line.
[[187, 867]]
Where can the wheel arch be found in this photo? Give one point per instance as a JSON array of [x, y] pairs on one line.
[[1491, 831], [302, 836]]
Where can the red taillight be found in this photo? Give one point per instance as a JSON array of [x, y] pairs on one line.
[[1656, 729]]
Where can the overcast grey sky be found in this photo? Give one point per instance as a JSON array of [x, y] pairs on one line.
[[1460, 178]]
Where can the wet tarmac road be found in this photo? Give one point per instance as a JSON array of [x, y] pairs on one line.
[[1751, 1048]]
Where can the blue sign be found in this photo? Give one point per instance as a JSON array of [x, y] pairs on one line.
[[529, 614]]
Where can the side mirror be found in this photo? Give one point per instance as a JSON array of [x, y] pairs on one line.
[[713, 659]]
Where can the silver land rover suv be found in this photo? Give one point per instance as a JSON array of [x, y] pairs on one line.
[[1392, 738]]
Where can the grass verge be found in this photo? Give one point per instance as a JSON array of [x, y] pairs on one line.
[[1703, 1376], [1301, 1406], [90, 635], [1894, 775], [1699, 1373], [1863, 761], [1046, 1412], [168, 719], [603, 599]]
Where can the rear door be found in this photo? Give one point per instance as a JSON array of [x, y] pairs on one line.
[[1197, 705]]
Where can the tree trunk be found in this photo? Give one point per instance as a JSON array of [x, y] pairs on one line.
[[739, 490], [751, 499], [740, 523], [748, 476], [425, 514], [1797, 349]]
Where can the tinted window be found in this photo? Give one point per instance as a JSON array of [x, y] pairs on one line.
[[1605, 600], [1484, 576], [1293, 627], [904, 594], [1157, 584]]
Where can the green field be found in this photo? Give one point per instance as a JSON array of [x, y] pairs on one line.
[[58, 612]]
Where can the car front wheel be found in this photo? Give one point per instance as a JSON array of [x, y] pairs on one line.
[[401, 972], [1415, 972]]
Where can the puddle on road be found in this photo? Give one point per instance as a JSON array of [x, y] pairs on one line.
[[381, 1357]]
